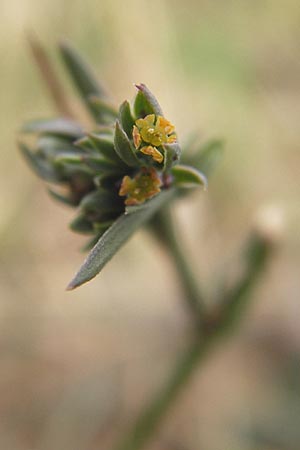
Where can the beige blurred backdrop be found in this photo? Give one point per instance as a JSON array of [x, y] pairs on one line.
[[76, 367]]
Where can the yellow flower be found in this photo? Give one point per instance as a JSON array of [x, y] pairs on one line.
[[154, 130], [136, 137], [152, 151], [144, 185]]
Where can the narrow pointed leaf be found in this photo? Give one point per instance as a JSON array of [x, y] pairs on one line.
[[62, 198], [40, 166], [124, 148], [50, 146], [93, 161], [172, 154], [101, 165], [69, 169], [188, 177], [111, 241], [58, 127], [85, 143], [101, 201], [208, 156], [146, 103], [105, 145], [105, 111], [68, 157], [82, 76], [107, 180], [126, 119], [82, 225], [90, 243]]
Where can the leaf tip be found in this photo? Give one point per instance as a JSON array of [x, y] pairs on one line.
[[74, 283], [70, 287]]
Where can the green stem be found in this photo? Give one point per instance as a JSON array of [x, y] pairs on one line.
[[150, 419], [216, 325], [162, 225]]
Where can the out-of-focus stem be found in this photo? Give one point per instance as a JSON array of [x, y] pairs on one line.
[[49, 76], [194, 299], [216, 324]]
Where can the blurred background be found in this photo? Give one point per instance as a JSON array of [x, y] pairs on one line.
[[75, 368]]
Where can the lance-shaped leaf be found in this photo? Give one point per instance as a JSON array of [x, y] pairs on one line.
[[172, 154], [107, 180], [145, 102], [50, 146], [67, 200], [68, 157], [71, 168], [101, 165], [83, 77], [40, 166], [116, 235], [85, 143], [101, 201], [57, 127], [82, 225], [99, 229], [91, 242], [208, 156], [126, 119], [105, 145], [107, 114], [124, 148], [188, 177]]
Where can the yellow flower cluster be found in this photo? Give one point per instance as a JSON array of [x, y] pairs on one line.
[[153, 130], [144, 185]]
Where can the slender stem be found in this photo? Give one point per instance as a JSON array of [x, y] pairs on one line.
[[49, 76], [151, 418], [162, 225], [216, 325]]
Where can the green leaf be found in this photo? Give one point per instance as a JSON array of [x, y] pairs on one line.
[[40, 166], [101, 201], [82, 225], [107, 180], [83, 77], [145, 102], [93, 161], [208, 156], [62, 198], [50, 146], [126, 119], [116, 235], [85, 143], [69, 169], [124, 148], [57, 127], [68, 157], [172, 154], [105, 145], [99, 164], [188, 177], [106, 112]]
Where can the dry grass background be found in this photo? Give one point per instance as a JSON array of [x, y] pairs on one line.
[[76, 367]]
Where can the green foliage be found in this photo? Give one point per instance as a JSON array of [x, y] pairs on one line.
[[124, 148], [188, 177], [117, 174], [83, 78], [116, 235]]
